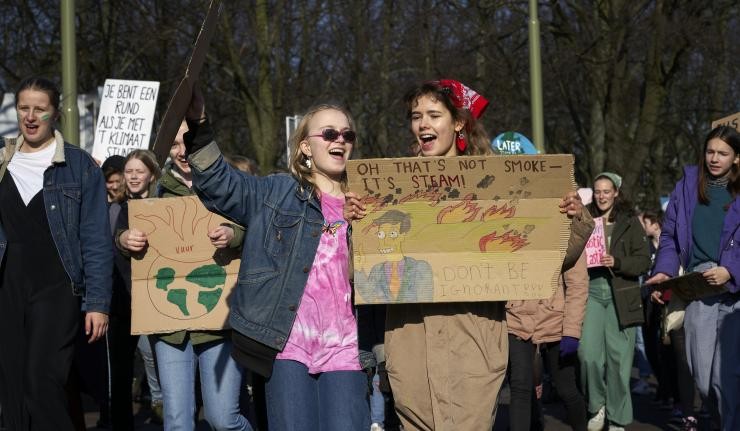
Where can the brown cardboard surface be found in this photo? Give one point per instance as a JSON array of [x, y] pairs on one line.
[[731, 120], [691, 286], [181, 281], [178, 104], [464, 228]]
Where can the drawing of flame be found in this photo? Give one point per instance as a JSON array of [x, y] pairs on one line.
[[509, 241], [462, 211], [495, 212]]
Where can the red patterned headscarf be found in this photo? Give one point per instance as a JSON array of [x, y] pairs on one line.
[[464, 97]]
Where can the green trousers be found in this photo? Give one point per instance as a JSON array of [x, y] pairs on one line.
[[606, 354]]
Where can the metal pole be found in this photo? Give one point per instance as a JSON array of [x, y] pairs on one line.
[[70, 113], [535, 78]]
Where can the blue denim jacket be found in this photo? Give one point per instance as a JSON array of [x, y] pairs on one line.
[[77, 211], [284, 231]]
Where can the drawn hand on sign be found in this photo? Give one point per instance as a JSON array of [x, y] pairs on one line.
[[184, 282], [184, 221]]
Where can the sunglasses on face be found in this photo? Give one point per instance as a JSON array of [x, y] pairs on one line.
[[331, 135]]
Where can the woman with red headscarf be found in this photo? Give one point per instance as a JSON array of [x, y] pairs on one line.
[[446, 361]]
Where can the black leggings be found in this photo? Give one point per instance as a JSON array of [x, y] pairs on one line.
[[684, 381], [522, 408]]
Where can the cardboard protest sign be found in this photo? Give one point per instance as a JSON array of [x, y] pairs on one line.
[[732, 121], [596, 245], [181, 281], [690, 286], [125, 118], [459, 229], [180, 101]]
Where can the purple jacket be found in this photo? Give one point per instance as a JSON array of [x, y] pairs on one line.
[[676, 236]]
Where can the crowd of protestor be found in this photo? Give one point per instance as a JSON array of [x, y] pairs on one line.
[[299, 354]]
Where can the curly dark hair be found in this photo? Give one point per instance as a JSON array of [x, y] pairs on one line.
[[478, 141]]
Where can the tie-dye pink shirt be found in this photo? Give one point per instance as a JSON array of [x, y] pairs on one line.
[[324, 335]]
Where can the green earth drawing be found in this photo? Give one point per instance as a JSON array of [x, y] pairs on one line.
[[185, 296]]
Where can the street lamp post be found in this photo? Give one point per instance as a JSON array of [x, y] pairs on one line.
[[70, 113], [535, 78]]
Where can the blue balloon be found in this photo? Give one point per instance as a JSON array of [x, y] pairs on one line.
[[513, 143]]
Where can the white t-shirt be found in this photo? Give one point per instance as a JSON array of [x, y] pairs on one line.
[[28, 169]]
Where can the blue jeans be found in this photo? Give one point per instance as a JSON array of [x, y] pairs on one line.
[[643, 366], [150, 367], [377, 402], [330, 401], [220, 381], [712, 348]]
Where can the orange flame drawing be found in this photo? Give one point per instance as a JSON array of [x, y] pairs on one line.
[[510, 240]]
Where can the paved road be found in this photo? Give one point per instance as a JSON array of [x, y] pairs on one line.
[[647, 417]]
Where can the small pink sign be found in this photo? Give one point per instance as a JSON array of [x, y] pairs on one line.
[[596, 245]]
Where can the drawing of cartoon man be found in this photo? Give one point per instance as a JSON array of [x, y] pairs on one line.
[[399, 278]]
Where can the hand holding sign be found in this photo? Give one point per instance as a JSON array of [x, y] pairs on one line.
[[571, 204], [353, 207], [657, 295], [716, 276], [607, 260], [133, 239]]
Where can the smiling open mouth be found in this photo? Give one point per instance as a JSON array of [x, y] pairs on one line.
[[427, 137], [337, 152]]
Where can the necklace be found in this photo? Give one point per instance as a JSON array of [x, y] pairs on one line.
[[718, 182]]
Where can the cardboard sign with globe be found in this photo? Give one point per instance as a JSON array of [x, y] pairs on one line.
[[181, 281]]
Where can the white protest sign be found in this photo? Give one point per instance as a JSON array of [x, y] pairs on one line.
[[596, 245], [125, 118]]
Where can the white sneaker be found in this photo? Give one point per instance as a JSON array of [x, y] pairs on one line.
[[642, 387], [596, 423], [376, 427], [615, 428]]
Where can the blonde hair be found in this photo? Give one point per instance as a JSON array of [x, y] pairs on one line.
[[298, 167], [149, 159]]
